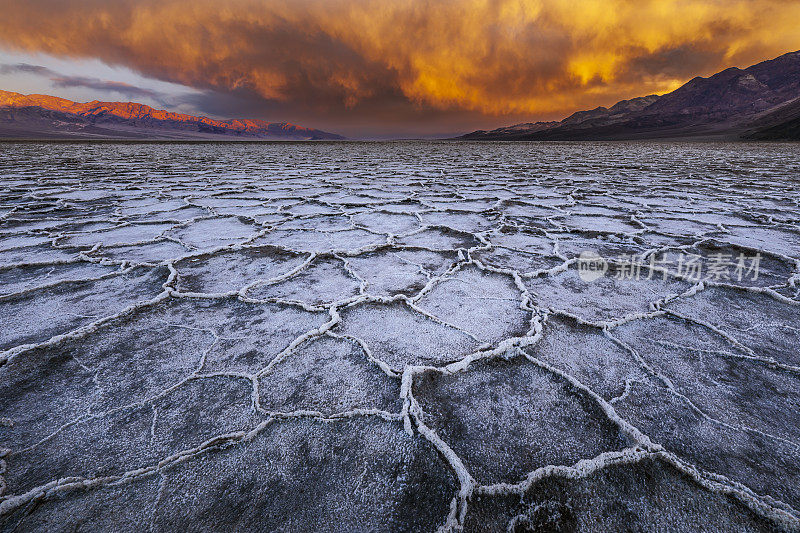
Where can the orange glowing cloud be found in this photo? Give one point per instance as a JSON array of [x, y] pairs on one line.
[[485, 57]]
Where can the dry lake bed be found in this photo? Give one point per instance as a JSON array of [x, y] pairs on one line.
[[399, 336]]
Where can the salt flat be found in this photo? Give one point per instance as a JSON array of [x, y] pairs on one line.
[[400, 337]]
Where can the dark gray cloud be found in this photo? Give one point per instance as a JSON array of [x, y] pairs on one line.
[[64, 81], [129, 91], [25, 68]]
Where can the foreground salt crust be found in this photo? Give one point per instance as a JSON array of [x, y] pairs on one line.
[[395, 337]]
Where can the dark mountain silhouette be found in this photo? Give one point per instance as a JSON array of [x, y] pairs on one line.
[[759, 102], [782, 122], [39, 116]]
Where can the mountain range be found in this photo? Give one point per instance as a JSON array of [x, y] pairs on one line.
[[38, 116], [759, 102]]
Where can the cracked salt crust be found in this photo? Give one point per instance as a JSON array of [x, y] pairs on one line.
[[316, 336]]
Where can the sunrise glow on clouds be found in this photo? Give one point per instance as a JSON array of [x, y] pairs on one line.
[[411, 65]]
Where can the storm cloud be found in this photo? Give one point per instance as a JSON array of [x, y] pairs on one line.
[[447, 61]]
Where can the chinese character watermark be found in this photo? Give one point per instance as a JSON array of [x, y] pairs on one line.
[[719, 267]]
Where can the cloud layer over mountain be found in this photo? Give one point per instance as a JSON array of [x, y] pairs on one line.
[[396, 61]]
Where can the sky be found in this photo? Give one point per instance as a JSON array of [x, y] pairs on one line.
[[382, 68]]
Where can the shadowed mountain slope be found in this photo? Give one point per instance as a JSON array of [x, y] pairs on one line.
[[759, 102]]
